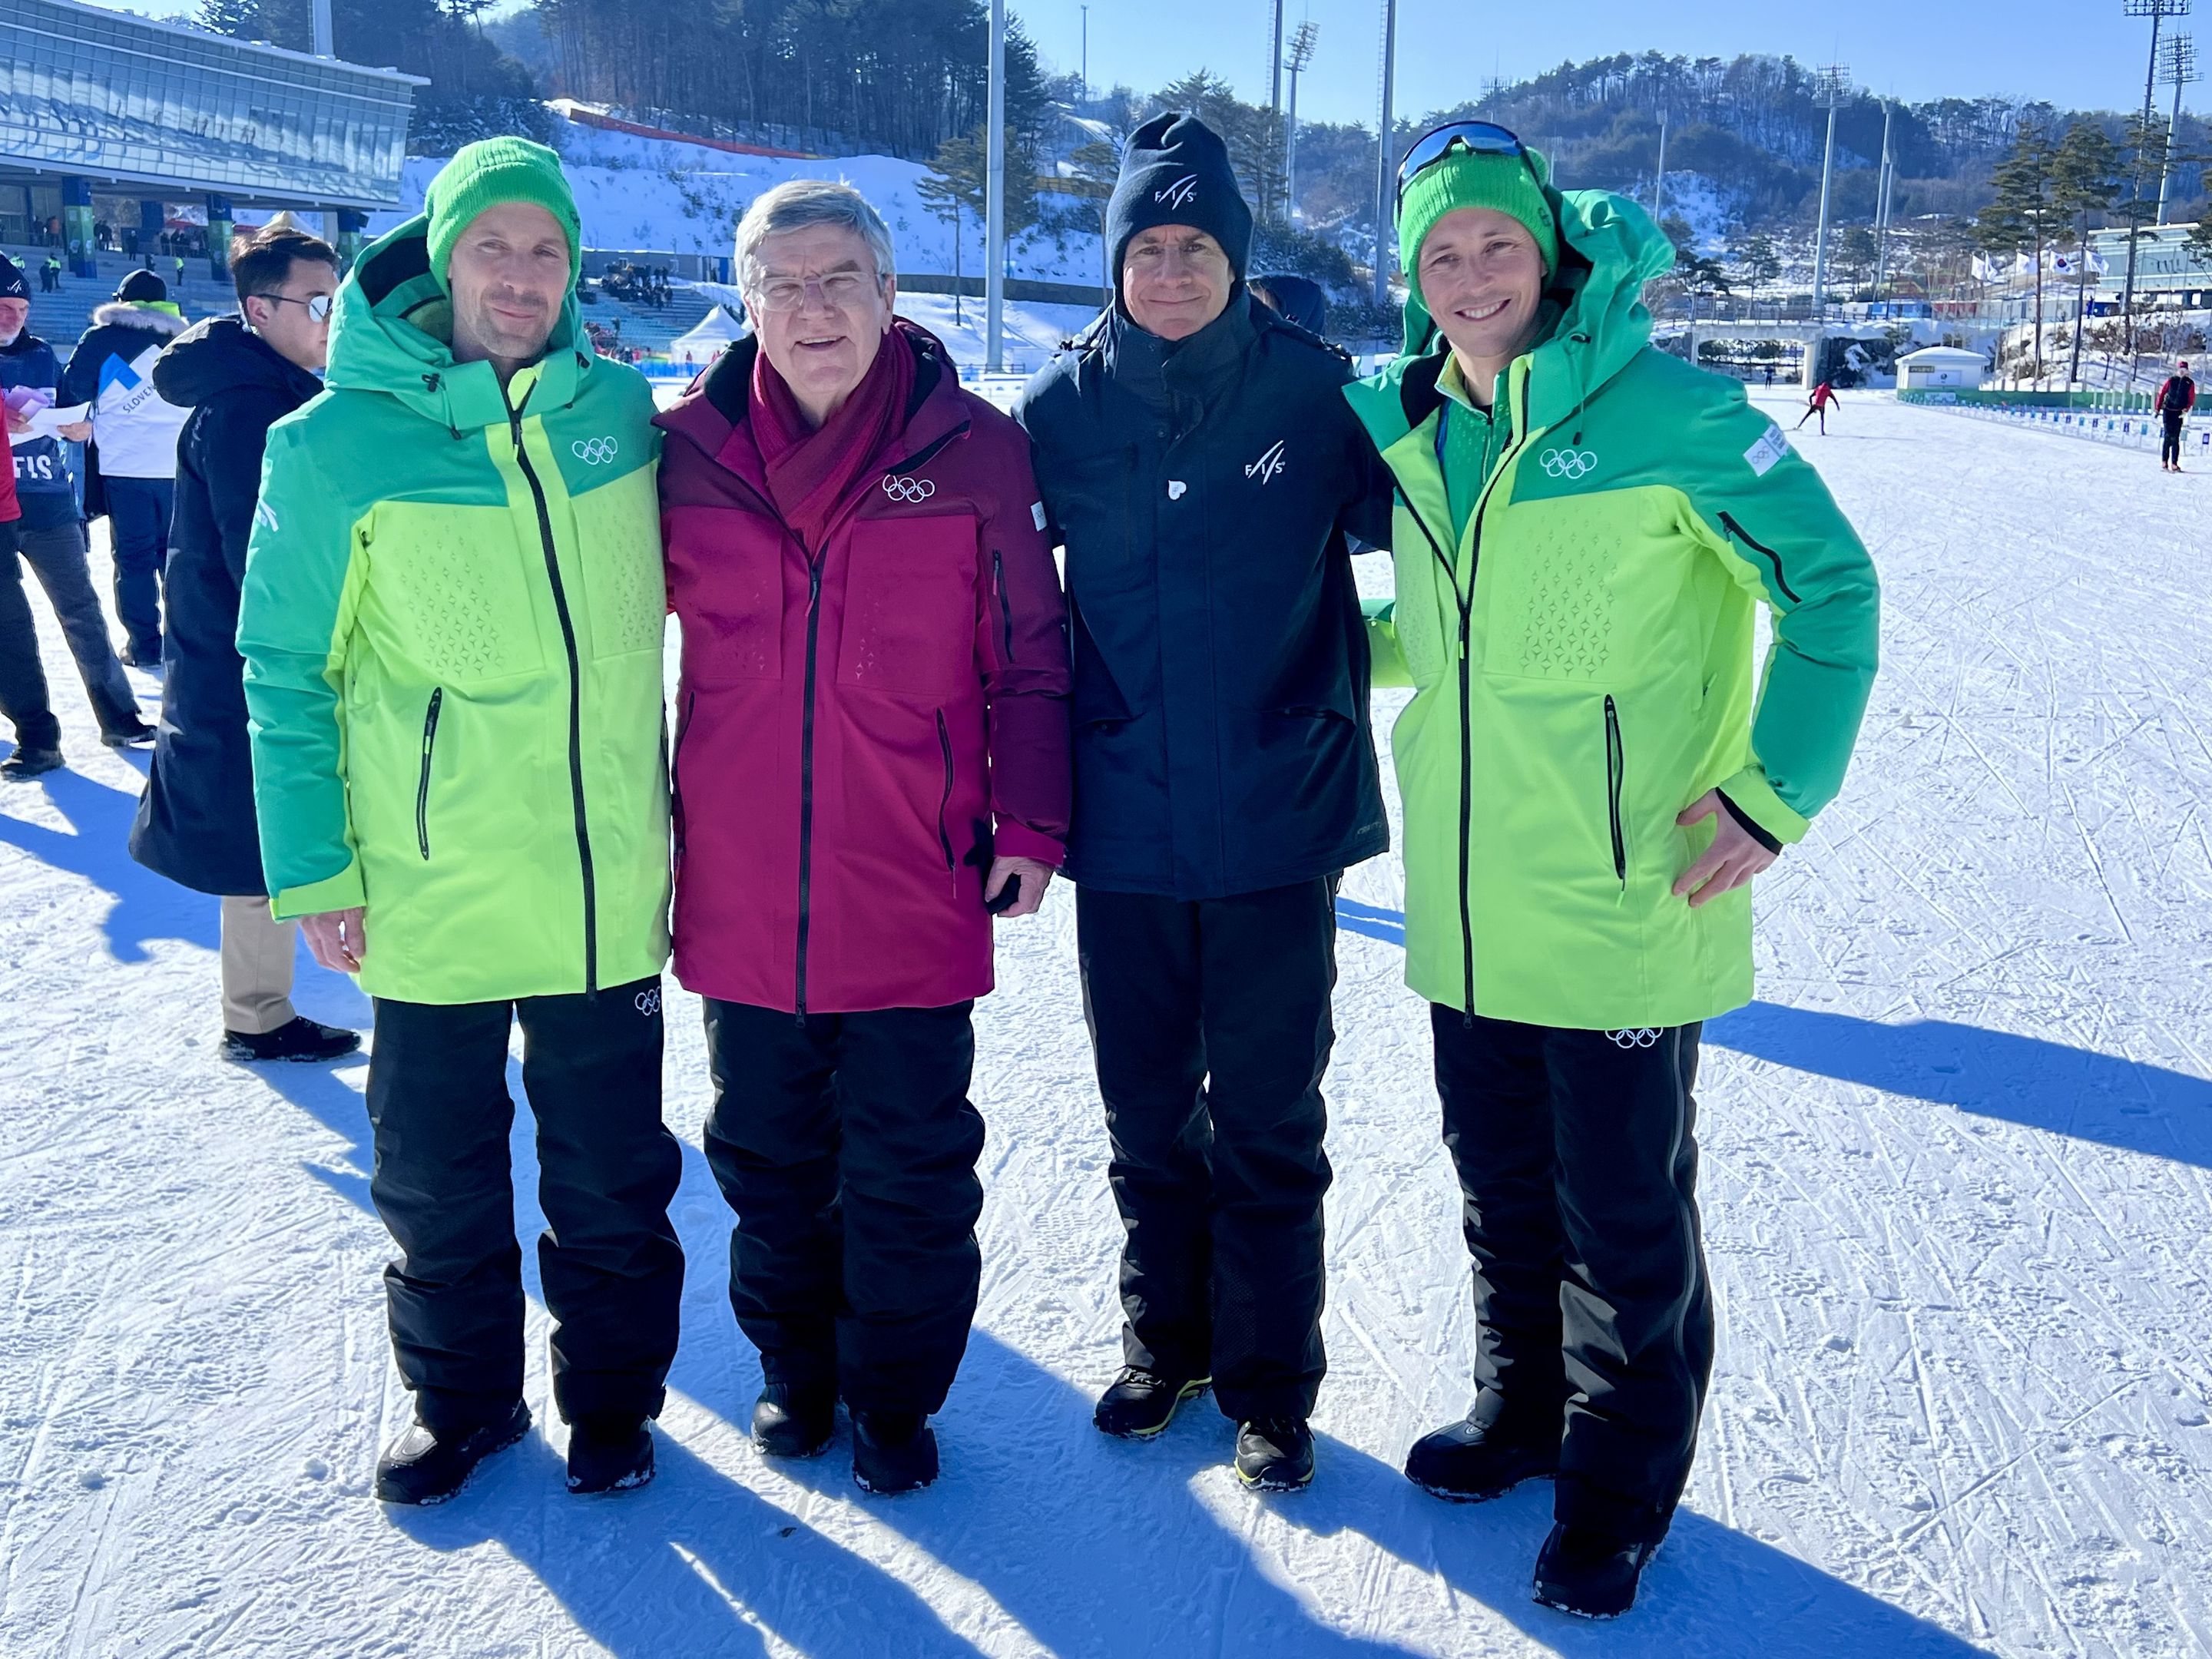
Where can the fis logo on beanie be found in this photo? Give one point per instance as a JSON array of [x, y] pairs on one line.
[[1180, 193]]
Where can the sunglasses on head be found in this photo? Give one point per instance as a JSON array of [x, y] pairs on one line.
[[1481, 138]]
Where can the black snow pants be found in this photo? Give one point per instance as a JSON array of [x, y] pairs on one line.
[[847, 1147], [1577, 1158], [610, 1262], [1210, 1021], [2169, 445], [23, 697]]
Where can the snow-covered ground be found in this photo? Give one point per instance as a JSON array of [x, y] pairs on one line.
[[1955, 1194]]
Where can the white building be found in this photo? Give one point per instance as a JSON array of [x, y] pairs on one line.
[[1948, 366]]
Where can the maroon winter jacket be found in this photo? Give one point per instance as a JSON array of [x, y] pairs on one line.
[[859, 729]]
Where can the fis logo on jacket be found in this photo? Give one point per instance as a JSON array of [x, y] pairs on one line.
[[1569, 464], [1180, 193], [1268, 464], [911, 490], [595, 451]]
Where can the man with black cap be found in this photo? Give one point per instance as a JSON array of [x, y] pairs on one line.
[[1197, 466], [50, 537], [134, 435]]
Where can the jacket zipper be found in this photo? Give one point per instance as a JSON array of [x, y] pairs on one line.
[[575, 708], [1729, 524], [806, 770], [675, 779], [1006, 608], [945, 802], [1616, 773], [423, 789]]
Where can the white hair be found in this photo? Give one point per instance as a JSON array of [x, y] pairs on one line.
[[799, 203]]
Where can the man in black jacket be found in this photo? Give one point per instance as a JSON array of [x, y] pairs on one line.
[[1202, 470], [195, 822], [2176, 397]]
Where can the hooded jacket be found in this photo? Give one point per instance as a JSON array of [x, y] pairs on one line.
[[1203, 491], [41, 470], [195, 821], [861, 725], [134, 428], [452, 624], [1581, 654]]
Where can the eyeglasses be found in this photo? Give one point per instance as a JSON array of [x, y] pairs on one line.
[[840, 288], [1482, 138], [318, 305]]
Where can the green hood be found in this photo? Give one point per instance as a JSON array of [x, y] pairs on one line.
[[1595, 307], [391, 330]]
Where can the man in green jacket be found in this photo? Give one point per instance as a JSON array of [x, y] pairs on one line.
[[452, 625], [1585, 530]]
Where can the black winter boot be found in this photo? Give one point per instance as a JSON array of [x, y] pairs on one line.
[[1470, 1464], [1274, 1454], [30, 762], [1590, 1573], [610, 1455], [423, 1467], [789, 1421], [1138, 1404], [893, 1452], [298, 1038]]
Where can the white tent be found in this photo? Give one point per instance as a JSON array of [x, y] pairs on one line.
[[1940, 366], [715, 331]]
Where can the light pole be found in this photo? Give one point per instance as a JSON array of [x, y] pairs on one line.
[[1301, 51], [2180, 67], [1831, 87], [1882, 203], [1386, 175], [995, 199], [2158, 11], [1274, 114], [1086, 71], [1659, 179]]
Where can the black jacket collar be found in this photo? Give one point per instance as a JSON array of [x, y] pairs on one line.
[[1159, 372]]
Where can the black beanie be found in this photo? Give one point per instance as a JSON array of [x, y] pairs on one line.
[[1174, 171], [12, 285], [143, 288]]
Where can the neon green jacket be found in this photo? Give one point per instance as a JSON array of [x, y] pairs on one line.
[[452, 625], [1581, 657]]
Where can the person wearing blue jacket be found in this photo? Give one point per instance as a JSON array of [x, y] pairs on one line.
[[1199, 467]]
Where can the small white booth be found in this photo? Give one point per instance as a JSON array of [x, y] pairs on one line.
[[1947, 368], [700, 347]]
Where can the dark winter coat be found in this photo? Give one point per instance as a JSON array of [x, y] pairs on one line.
[[42, 471], [1203, 491], [2178, 396], [195, 823]]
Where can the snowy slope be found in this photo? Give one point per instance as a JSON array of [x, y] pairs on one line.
[[1955, 1194], [652, 194]]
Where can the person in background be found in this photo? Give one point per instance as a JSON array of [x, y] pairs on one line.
[[22, 675], [452, 623], [195, 825], [2176, 396], [1201, 469], [1584, 532], [1298, 301], [133, 458], [50, 535], [1822, 400], [872, 759]]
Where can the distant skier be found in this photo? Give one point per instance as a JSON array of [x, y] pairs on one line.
[[1823, 398], [2175, 399]]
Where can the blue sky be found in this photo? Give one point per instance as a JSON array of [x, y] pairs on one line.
[[2084, 55]]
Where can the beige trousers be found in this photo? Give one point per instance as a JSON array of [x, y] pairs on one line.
[[257, 967]]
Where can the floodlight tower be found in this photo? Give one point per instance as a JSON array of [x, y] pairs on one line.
[[1832, 87], [1386, 171], [994, 218], [2177, 64], [1302, 51], [2158, 11]]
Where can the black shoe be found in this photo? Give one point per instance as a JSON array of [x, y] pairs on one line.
[[1139, 1403], [1590, 1573], [422, 1468], [148, 658], [298, 1038], [789, 1421], [1468, 1464], [129, 737], [893, 1452], [30, 762], [610, 1455], [1275, 1453]]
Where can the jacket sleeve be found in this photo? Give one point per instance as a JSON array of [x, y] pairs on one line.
[[1388, 660], [229, 441], [79, 381], [1766, 515], [295, 614], [1021, 645]]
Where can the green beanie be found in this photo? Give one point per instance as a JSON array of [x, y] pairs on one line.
[[487, 174], [1466, 178]]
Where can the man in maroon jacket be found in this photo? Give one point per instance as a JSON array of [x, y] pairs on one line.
[[2176, 397], [871, 759]]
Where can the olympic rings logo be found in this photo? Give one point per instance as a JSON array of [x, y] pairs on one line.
[[595, 451], [649, 1001], [1642, 1037], [911, 490], [1569, 462]]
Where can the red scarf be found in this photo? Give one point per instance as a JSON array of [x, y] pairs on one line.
[[808, 472]]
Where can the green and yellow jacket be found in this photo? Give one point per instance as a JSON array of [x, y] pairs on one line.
[[1576, 594], [452, 625]]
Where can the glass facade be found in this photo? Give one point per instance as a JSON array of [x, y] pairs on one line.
[[113, 97]]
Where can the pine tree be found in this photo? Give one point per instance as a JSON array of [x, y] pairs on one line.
[[1761, 264], [2019, 217], [2084, 180]]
